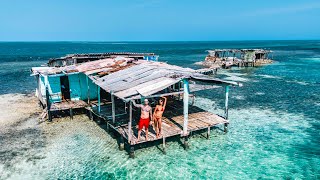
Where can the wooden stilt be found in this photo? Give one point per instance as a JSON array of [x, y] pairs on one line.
[[226, 108], [225, 129], [71, 113], [164, 144], [88, 90], [208, 133], [90, 115], [226, 102], [185, 143], [48, 103], [113, 109], [99, 100], [131, 155], [108, 127], [121, 144], [185, 106], [130, 123]]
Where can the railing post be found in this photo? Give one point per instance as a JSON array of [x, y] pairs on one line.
[[185, 106]]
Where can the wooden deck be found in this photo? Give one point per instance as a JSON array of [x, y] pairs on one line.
[[65, 105], [172, 123]]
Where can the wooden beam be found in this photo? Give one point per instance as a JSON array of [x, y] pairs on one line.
[[113, 108], [130, 123], [185, 106]]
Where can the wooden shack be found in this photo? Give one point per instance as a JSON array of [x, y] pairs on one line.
[[106, 89], [226, 58], [72, 59]]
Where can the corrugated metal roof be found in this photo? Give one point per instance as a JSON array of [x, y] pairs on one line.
[[126, 78], [145, 78]]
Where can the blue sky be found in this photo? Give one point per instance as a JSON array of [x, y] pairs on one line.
[[158, 20]]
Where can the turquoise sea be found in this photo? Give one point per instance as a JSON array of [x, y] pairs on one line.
[[274, 130]]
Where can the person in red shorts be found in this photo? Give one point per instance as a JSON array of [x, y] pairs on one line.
[[146, 114]]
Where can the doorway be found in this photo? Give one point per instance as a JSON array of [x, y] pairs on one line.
[[65, 88]]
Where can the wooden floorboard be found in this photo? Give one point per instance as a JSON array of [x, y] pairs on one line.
[[172, 123], [65, 105]]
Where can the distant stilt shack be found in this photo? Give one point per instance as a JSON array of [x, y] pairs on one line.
[[106, 88], [226, 58], [71, 59]]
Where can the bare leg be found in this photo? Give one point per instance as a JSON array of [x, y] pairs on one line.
[[159, 125], [139, 132], [147, 133]]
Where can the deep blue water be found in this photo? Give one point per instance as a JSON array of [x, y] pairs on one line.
[[275, 116]]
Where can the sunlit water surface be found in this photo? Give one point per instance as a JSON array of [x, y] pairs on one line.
[[274, 117]]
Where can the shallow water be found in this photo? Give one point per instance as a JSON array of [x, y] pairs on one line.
[[274, 118]]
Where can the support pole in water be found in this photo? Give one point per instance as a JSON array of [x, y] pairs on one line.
[[99, 100], [226, 108], [130, 123], [185, 106], [113, 108], [131, 152], [208, 133], [185, 143], [164, 144], [121, 144]]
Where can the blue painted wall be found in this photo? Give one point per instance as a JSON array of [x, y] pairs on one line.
[[77, 83]]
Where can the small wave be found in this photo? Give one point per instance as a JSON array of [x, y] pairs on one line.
[[268, 76], [259, 93], [236, 78]]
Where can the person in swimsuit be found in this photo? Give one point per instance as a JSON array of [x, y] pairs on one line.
[[157, 115], [146, 113]]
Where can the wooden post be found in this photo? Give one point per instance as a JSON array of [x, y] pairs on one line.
[[226, 108], [88, 90], [48, 104], [131, 152], [185, 106], [71, 113], [121, 144], [90, 114], [226, 102], [130, 123], [185, 143], [208, 133], [113, 109], [99, 100]]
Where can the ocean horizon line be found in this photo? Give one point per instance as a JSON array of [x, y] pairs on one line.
[[148, 41]]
